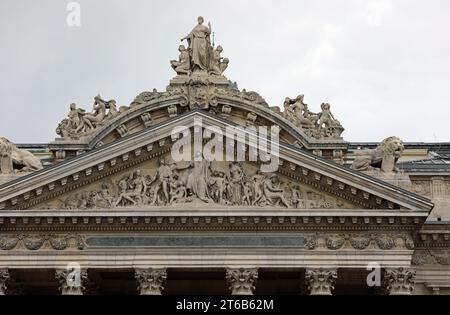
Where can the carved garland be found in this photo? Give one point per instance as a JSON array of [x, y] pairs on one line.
[[35, 242], [315, 241]]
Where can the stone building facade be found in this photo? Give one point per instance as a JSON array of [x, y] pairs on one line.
[[107, 208]]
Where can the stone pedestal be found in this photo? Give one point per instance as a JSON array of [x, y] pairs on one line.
[[399, 179], [320, 281], [72, 282], [183, 80], [242, 281], [400, 281], [151, 281]]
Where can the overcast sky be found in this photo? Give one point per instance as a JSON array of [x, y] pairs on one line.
[[384, 66]]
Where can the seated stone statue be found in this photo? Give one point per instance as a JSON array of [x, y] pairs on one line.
[[296, 111], [218, 64], [14, 159], [182, 66], [326, 118], [98, 114], [384, 157]]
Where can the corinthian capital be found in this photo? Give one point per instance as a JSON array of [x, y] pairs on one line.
[[71, 282], [242, 281], [320, 281], [4, 277], [151, 281], [400, 281]]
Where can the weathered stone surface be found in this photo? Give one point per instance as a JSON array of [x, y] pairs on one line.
[[242, 281], [14, 160], [151, 281], [321, 281], [400, 281], [4, 277], [384, 157], [319, 126], [72, 282]]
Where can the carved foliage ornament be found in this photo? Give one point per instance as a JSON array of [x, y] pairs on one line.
[[361, 241], [4, 277], [431, 257], [320, 281], [400, 281], [35, 242], [242, 281], [72, 282], [151, 281]]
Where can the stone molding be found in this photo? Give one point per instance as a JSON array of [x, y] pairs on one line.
[[431, 257], [313, 241]]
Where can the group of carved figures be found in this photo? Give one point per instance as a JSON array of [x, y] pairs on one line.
[[319, 126], [79, 122], [200, 54], [198, 181]]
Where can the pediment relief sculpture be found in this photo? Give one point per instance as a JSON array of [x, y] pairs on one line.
[[14, 160], [198, 183], [310, 183]]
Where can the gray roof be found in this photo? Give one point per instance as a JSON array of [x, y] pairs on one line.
[[437, 163]]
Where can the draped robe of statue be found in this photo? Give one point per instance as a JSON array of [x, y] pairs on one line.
[[199, 44], [197, 180]]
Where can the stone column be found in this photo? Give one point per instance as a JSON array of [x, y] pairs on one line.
[[399, 281], [320, 281], [4, 277], [72, 282], [151, 281], [242, 281]]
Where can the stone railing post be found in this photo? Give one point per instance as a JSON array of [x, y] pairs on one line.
[[321, 281], [151, 281], [242, 281], [72, 282], [400, 281]]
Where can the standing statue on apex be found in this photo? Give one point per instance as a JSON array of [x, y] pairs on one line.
[[200, 55], [199, 45]]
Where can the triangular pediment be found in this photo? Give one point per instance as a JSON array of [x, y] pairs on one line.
[[106, 177]]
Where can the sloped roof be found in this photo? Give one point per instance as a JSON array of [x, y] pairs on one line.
[[24, 188]]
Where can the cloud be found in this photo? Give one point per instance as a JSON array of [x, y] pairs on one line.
[[376, 11]]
